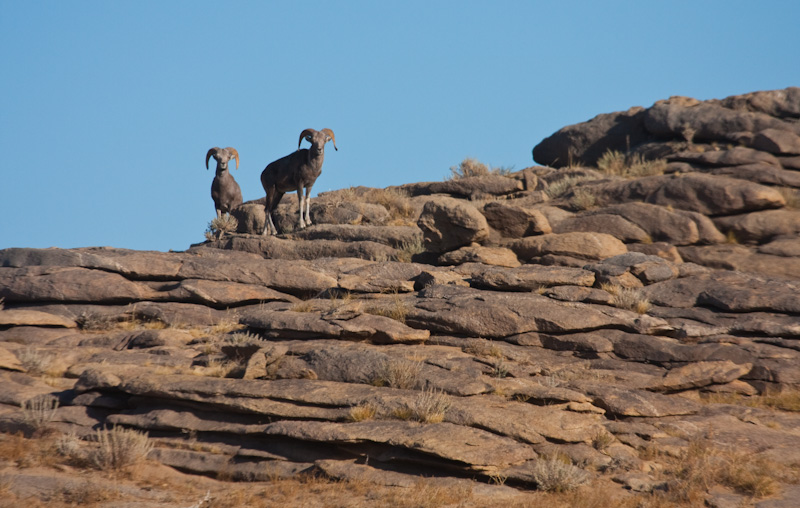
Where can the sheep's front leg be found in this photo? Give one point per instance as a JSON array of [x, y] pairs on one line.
[[302, 224], [308, 206]]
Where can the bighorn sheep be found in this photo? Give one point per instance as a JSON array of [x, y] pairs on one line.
[[224, 190], [296, 171]]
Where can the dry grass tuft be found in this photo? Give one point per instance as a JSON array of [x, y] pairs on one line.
[[363, 412], [557, 475], [628, 298], [39, 411], [430, 406], [396, 202], [407, 251], [119, 448], [219, 226], [473, 167], [397, 310], [786, 400], [704, 465], [399, 373], [34, 361], [483, 348], [791, 196], [583, 199], [630, 166]]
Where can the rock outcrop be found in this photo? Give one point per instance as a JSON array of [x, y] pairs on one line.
[[469, 329]]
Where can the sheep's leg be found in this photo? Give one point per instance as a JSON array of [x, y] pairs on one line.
[[308, 207], [270, 204], [219, 213], [302, 224]]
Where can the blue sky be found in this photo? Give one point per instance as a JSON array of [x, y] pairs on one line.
[[107, 108]]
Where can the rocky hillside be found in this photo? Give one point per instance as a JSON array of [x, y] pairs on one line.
[[624, 320]]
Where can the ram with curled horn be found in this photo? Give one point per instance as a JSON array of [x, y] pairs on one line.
[[224, 190], [295, 172]]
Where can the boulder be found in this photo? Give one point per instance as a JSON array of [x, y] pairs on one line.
[[23, 317], [761, 227], [515, 222], [586, 142], [614, 225], [658, 222], [468, 187], [777, 141], [578, 245], [700, 375], [742, 258], [710, 121], [448, 224], [495, 256], [285, 249], [394, 236]]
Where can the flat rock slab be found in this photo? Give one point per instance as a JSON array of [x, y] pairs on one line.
[[701, 374], [579, 245], [20, 317], [531, 277], [463, 446], [300, 325], [625, 402], [475, 313]]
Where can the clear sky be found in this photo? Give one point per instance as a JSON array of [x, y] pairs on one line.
[[107, 108]]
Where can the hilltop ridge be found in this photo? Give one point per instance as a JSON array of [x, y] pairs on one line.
[[611, 322]]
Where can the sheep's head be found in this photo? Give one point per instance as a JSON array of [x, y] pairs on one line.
[[317, 140], [222, 156]]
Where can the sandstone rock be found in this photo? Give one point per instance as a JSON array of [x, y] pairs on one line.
[[661, 249], [515, 222], [22, 317], [283, 249], [579, 245], [57, 284], [9, 361], [623, 402], [476, 449], [658, 222], [588, 141], [614, 225], [531, 277], [787, 247], [476, 313], [761, 173], [777, 141], [738, 156], [694, 192], [300, 325], [701, 374], [495, 256], [219, 293], [467, 187], [710, 121], [761, 227], [448, 224], [742, 258], [394, 236]]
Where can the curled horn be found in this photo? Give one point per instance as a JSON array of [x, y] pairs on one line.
[[235, 154], [333, 138], [211, 152], [303, 134]]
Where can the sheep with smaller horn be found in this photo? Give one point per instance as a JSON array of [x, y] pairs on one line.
[[224, 190], [295, 172]]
